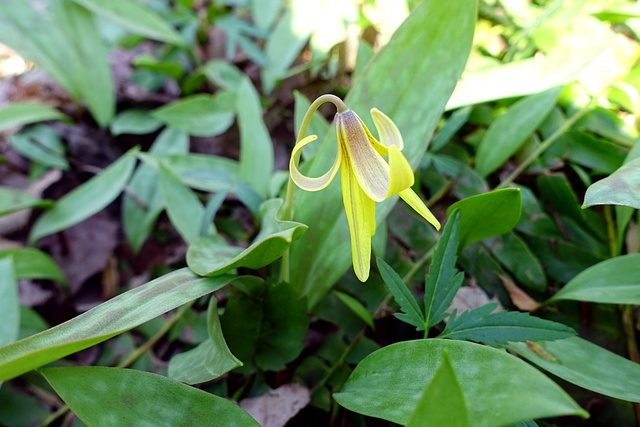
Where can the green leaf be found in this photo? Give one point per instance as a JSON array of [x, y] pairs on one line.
[[487, 215], [613, 281], [256, 148], [134, 17], [108, 319], [138, 220], [86, 200], [266, 328], [509, 131], [483, 326], [183, 207], [620, 188], [411, 311], [443, 280], [31, 263], [134, 122], [210, 359], [9, 305], [199, 171], [356, 307], [20, 114], [442, 402], [517, 257], [41, 144], [585, 364], [265, 12], [12, 200], [199, 115], [388, 383], [413, 57], [275, 237], [103, 396]]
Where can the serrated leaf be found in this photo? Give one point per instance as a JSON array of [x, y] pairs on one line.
[[412, 313], [483, 326], [443, 280], [274, 238]]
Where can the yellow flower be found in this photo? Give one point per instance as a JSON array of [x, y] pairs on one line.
[[366, 177]]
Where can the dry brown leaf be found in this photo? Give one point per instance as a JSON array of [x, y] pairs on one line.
[[519, 297], [470, 297], [278, 406]]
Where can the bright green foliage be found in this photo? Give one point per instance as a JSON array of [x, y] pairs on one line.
[[199, 115], [620, 188], [442, 402], [614, 281], [388, 383], [9, 305], [259, 331], [585, 364], [483, 326], [41, 144], [134, 122], [31, 263], [111, 318], [12, 200], [111, 396], [210, 359], [23, 114], [501, 206]]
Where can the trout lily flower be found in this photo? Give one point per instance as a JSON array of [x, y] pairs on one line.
[[366, 177]]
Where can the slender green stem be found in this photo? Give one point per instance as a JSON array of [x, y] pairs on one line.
[[545, 145], [51, 418], [612, 239]]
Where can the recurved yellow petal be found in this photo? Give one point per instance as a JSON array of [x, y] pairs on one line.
[[400, 172], [360, 211], [369, 168], [387, 130], [418, 205], [306, 182]]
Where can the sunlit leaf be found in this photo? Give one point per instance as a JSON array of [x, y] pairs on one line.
[[620, 188]]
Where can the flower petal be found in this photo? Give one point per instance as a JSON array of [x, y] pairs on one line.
[[306, 182], [418, 205], [400, 172], [369, 168], [387, 130], [360, 211]]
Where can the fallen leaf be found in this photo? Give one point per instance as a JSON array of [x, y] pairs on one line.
[[470, 297], [519, 297], [278, 406]]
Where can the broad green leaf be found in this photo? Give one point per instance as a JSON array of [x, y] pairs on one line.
[[31, 263], [199, 171], [12, 200], [93, 74], [483, 326], [223, 74], [199, 115], [585, 364], [266, 328], [106, 320], [85, 200], [443, 280], [265, 12], [287, 39], [411, 311], [9, 305], [138, 220], [210, 359], [517, 257], [356, 307], [453, 125], [183, 207], [620, 188], [442, 403], [134, 122], [20, 114], [102, 396], [275, 237], [134, 17], [389, 382], [509, 131], [613, 281], [256, 149], [487, 215], [413, 57], [41, 144]]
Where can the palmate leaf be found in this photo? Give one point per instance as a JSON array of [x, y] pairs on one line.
[[483, 326], [443, 280]]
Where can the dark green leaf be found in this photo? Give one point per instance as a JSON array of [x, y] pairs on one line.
[[411, 311], [517, 257], [265, 329], [443, 280], [210, 359], [356, 307], [487, 215], [108, 319], [41, 144], [102, 396], [483, 326]]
